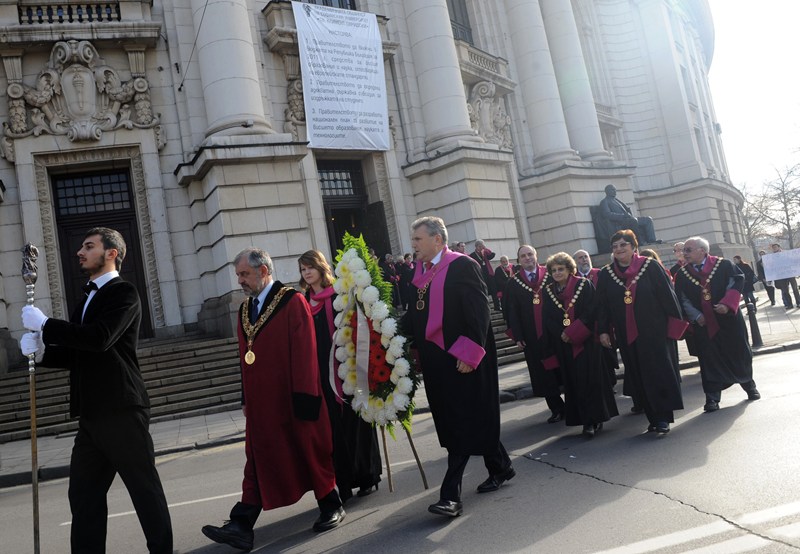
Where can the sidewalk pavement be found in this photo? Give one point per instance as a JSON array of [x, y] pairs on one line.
[[780, 330]]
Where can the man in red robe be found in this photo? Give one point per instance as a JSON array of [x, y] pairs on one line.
[[287, 443]]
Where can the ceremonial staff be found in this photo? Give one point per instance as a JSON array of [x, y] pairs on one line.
[[29, 275]]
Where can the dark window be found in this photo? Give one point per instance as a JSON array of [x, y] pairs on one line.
[[340, 178], [98, 192], [344, 4], [459, 20]]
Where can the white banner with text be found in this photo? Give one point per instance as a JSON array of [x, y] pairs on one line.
[[782, 265], [344, 86]]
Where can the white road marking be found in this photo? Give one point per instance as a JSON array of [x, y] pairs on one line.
[[740, 544], [210, 498]]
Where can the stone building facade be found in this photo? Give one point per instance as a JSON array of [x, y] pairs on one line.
[[182, 124]]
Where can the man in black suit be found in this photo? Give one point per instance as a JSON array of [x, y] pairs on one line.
[[107, 394]]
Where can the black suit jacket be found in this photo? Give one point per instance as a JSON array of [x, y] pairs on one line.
[[100, 352]]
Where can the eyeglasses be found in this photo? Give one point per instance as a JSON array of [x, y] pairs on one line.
[[619, 245], [688, 249]]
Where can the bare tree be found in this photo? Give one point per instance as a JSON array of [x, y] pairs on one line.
[[776, 209]]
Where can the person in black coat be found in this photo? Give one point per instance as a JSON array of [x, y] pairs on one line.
[[763, 278], [450, 327], [483, 256], [107, 394], [568, 317], [638, 307], [406, 271], [749, 280], [709, 289], [502, 274], [356, 457]]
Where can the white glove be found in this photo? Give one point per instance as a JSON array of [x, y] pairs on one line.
[[33, 318], [31, 343]]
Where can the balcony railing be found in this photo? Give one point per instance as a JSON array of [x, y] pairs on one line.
[[63, 12]]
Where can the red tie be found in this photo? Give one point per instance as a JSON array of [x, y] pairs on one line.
[[427, 266]]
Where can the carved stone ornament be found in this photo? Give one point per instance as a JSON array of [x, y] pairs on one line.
[[79, 96], [295, 113], [488, 115]]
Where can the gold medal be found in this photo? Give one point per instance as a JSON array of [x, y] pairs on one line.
[[567, 322], [536, 299], [628, 300], [420, 305], [706, 295], [250, 357]]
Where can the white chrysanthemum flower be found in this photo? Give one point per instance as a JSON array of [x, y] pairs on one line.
[[362, 278], [405, 385], [347, 334], [398, 341], [368, 310], [337, 321], [338, 305], [367, 415], [390, 358], [350, 364], [337, 287], [348, 388], [385, 341], [341, 354], [394, 377], [349, 255], [401, 400], [350, 348], [380, 311], [402, 367], [389, 327], [380, 417], [394, 350], [391, 413], [342, 371], [356, 264], [371, 295], [345, 299], [351, 379], [339, 337]]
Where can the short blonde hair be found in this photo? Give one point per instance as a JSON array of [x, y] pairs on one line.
[[561, 258]]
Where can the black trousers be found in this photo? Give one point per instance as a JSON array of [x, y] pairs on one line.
[[496, 462], [107, 445], [716, 396], [248, 513]]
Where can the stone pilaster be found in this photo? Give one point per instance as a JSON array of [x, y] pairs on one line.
[[538, 84], [573, 80]]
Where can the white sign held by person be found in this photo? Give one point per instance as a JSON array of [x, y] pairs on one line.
[[344, 86], [782, 265]]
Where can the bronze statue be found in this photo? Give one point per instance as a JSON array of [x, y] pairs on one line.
[[613, 214]]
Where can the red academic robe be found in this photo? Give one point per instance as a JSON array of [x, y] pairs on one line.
[[287, 433]]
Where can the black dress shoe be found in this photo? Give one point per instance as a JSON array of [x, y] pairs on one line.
[[328, 520], [753, 395], [556, 417], [711, 406], [662, 427], [651, 428], [448, 508], [494, 481], [366, 491], [588, 431], [234, 533], [636, 409]]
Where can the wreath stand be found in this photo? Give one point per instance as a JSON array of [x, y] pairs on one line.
[[389, 465]]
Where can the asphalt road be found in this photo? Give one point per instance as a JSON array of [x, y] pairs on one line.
[[719, 483]]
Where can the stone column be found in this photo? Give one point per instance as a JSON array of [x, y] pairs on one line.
[[573, 80], [441, 90], [228, 68], [537, 81]]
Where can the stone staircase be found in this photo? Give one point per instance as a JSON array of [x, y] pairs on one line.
[[185, 377]]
